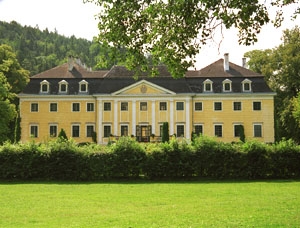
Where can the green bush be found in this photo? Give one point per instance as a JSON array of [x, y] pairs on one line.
[[203, 158]]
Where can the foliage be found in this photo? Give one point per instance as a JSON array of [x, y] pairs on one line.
[[173, 32], [165, 132], [62, 135], [204, 158], [38, 51], [281, 69]]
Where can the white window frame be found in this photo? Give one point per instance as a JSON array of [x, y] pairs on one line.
[[83, 82], [227, 81], [202, 125], [37, 129], [86, 130], [197, 110], [208, 81], [236, 110], [181, 125], [53, 125], [63, 82], [44, 82], [72, 133], [73, 106], [107, 125], [222, 129], [219, 110], [124, 125], [247, 81], [37, 105], [261, 130], [87, 104]]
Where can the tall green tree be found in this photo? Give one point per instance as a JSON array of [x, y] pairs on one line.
[[281, 67], [173, 31], [13, 78]]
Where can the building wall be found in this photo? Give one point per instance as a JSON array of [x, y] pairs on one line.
[[65, 118]]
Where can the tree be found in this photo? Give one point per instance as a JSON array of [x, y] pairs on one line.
[[7, 110], [13, 78], [173, 31], [165, 132], [16, 76], [281, 67]]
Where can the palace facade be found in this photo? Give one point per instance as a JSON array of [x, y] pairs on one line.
[[213, 101]]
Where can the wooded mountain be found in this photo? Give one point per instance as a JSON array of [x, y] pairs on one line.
[[38, 50]]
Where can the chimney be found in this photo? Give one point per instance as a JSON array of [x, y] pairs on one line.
[[244, 62], [70, 63], [226, 62]]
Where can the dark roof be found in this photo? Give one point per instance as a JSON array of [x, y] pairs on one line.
[[216, 69], [107, 82], [77, 71]]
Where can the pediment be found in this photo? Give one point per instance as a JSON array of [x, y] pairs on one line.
[[143, 88]]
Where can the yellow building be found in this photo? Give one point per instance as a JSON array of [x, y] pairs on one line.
[[213, 101]]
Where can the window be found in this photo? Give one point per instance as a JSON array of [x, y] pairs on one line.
[[53, 107], [246, 85], [53, 130], [90, 107], [257, 128], [89, 130], [107, 131], [143, 106], [179, 106], [124, 106], [237, 106], [256, 105], [162, 106], [180, 130], [44, 86], [198, 106], [124, 130], [160, 130], [75, 131], [218, 130], [34, 107], [238, 130], [107, 106], [226, 85], [207, 85], [198, 129], [76, 107], [63, 86], [83, 86], [218, 106], [34, 131]]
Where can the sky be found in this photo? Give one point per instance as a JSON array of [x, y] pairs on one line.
[[73, 17]]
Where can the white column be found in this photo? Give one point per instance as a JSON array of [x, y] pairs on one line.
[[187, 118], [116, 122], [100, 119], [171, 124], [133, 117], [153, 117]]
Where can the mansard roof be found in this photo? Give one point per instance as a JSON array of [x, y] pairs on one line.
[[118, 77]]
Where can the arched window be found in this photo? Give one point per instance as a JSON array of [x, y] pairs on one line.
[[44, 86], [83, 86], [246, 85], [207, 86], [227, 85], [63, 86]]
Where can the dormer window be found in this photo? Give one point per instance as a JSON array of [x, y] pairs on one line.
[[44, 86], [83, 86], [63, 86], [246, 85], [207, 85], [227, 85]]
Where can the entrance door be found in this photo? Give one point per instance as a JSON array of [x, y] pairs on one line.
[[143, 133]]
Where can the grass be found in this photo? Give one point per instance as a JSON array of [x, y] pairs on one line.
[[148, 204]]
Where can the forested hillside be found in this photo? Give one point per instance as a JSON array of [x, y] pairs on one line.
[[38, 50]]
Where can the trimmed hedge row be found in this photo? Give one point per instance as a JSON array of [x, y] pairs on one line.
[[202, 158]]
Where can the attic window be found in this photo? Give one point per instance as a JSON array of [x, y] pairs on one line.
[[246, 85], [63, 86], [207, 85], [83, 86], [227, 85], [44, 86]]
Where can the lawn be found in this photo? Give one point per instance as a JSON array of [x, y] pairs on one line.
[[151, 204]]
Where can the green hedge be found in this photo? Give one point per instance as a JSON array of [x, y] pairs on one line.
[[203, 158]]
